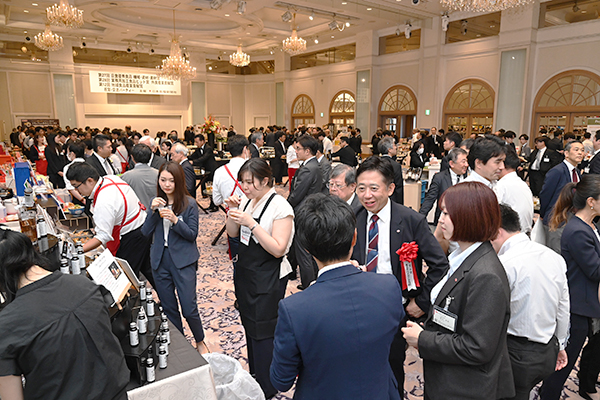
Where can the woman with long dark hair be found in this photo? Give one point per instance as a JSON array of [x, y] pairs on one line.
[[173, 221], [55, 330], [264, 223], [36, 154], [56, 161], [123, 152], [577, 206], [463, 345], [418, 158]]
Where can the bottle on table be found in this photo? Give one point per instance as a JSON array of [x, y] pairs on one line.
[[134, 338], [150, 376], [142, 322], [162, 357]]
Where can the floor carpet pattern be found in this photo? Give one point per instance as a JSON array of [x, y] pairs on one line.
[[224, 332]]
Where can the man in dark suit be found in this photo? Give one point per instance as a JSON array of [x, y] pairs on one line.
[[541, 160], [594, 166], [179, 154], [374, 180], [451, 141], [271, 136], [434, 144], [325, 167], [342, 184], [345, 153], [443, 180], [556, 144], [256, 142], [387, 149], [307, 180], [556, 179], [100, 158], [278, 163], [204, 157], [356, 366]]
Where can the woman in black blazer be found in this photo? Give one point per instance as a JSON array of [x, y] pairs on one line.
[[173, 221], [56, 161], [580, 247], [417, 155], [463, 345]]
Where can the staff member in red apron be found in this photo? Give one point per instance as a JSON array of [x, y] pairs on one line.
[[36, 153], [118, 216]]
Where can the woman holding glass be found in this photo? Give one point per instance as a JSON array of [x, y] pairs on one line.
[[463, 345], [264, 223], [173, 220]]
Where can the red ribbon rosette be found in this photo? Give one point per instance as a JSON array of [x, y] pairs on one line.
[[408, 254]]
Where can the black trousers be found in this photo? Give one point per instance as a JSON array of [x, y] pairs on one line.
[[553, 385], [260, 355], [531, 363], [135, 248], [536, 181], [589, 364], [306, 263]]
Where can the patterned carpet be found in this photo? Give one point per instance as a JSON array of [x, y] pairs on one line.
[[224, 333]]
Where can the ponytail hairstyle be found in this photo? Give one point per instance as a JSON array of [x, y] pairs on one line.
[[573, 197], [18, 256]]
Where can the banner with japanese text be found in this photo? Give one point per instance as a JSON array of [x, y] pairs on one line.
[[132, 83]]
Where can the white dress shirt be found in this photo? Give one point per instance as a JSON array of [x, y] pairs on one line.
[[455, 259], [327, 145], [109, 207], [514, 192], [384, 261], [571, 168], [475, 177], [68, 185], [539, 291], [538, 159], [291, 158], [223, 184], [332, 266], [349, 201], [454, 177], [105, 164]]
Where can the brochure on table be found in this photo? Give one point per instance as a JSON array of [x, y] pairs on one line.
[[106, 271]]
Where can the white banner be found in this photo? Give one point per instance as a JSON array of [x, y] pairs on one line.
[[133, 83]]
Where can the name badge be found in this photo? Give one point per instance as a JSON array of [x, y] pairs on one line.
[[444, 318], [410, 277], [245, 234], [546, 159], [586, 170]]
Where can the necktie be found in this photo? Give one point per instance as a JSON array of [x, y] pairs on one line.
[[538, 159], [575, 177], [373, 253]]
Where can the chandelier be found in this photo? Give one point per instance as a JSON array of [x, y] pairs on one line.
[[294, 45], [65, 15], [176, 66], [483, 5], [48, 41], [239, 58]]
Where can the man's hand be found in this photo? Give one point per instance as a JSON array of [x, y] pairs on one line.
[[413, 309], [561, 360], [411, 333]]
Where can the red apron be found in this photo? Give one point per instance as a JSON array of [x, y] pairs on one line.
[[124, 164], [114, 244], [41, 166], [237, 185]]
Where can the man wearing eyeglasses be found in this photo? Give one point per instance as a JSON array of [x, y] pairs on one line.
[[343, 184]]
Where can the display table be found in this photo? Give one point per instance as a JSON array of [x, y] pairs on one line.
[[187, 376]]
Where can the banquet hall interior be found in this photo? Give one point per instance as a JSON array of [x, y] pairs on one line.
[[398, 65]]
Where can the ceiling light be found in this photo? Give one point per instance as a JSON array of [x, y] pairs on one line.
[[287, 16], [176, 67], [239, 58], [64, 15], [369, 9], [294, 45], [241, 7], [332, 36], [407, 30], [445, 22], [216, 4], [24, 49], [34, 4], [227, 15], [48, 41], [333, 25], [347, 24], [25, 11], [312, 16], [316, 40], [210, 68]]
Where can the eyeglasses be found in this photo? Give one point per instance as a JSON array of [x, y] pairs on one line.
[[77, 186], [333, 185]]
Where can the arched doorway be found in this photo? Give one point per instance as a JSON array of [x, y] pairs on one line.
[[303, 111], [469, 107], [341, 110], [398, 110], [567, 101]]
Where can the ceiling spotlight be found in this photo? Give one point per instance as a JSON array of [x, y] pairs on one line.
[[286, 16], [210, 68], [312, 16], [216, 4], [347, 24], [24, 49], [463, 25], [129, 50], [333, 25], [407, 30], [576, 7], [151, 51], [316, 40], [398, 31], [241, 7], [445, 22], [82, 45]]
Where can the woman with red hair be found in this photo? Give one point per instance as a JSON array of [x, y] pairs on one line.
[[463, 345]]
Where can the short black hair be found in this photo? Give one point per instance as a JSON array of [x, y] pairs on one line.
[[236, 144], [325, 227], [381, 165], [510, 219], [485, 148], [321, 133], [80, 172], [200, 137], [524, 136], [512, 161], [78, 148], [587, 135], [510, 134], [99, 141], [310, 143], [542, 139], [454, 137], [569, 136], [141, 153], [279, 134], [345, 139]]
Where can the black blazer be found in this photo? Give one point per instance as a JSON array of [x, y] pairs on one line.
[[204, 157], [472, 362], [407, 226], [595, 164], [554, 182], [417, 161], [94, 162], [190, 177], [355, 205], [307, 180], [549, 160], [325, 168], [56, 162], [355, 142], [440, 182], [398, 195], [347, 156], [157, 161], [254, 151]]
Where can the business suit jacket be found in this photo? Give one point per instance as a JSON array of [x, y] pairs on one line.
[[307, 180], [190, 177], [440, 182], [417, 161], [595, 164], [254, 153], [142, 179], [581, 251], [407, 226], [182, 236], [549, 160], [555, 144], [398, 195], [356, 205], [94, 162], [325, 168], [434, 145], [473, 362], [347, 156], [204, 157], [555, 180], [342, 305]]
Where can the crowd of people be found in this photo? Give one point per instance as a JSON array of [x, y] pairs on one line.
[[491, 312]]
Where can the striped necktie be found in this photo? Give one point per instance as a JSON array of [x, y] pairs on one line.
[[373, 253]]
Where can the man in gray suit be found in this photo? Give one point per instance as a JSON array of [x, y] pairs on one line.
[[325, 167], [387, 149], [142, 178]]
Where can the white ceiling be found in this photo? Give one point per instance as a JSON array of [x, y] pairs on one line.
[[115, 25]]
